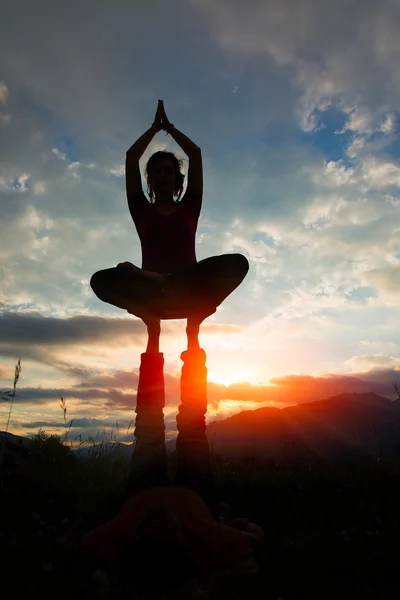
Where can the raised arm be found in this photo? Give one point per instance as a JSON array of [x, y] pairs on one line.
[[195, 174], [132, 172]]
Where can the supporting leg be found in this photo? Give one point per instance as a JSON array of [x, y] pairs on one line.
[[193, 328], [148, 467], [192, 332], [153, 332], [193, 453]]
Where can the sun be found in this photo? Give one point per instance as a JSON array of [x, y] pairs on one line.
[[228, 375]]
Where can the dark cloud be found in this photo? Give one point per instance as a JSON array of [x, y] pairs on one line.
[[382, 376], [351, 47], [81, 423], [33, 328], [80, 372], [119, 379], [112, 398], [40, 59], [284, 391]]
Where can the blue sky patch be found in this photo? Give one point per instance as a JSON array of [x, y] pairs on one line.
[[67, 145], [360, 295], [325, 139], [264, 238]]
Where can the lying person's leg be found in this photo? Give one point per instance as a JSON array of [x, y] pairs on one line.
[[193, 453], [148, 467]]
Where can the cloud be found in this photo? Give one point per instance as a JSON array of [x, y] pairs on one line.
[[119, 379], [281, 391], [3, 92], [79, 223], [365, 122], [6, 373], [374, 362], [60, 343], [386, 280], [332, 60], [81, 423], [303, 388], [295, 107], [41, 396], [33, 328]]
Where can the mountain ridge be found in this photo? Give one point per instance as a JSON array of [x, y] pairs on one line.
[[342, 427]]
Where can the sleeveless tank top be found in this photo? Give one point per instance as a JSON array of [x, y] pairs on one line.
[[167, 241]]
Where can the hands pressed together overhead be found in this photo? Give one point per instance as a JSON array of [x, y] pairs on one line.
[[161, 120]]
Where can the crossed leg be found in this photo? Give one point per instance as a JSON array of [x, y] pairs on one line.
[[193, 293], [202, 288]]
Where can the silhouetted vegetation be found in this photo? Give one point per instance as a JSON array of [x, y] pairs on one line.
[[331, 531], [328, 531]]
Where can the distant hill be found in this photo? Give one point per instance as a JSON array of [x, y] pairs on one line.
[[341, 428], [15, 439], [110, 449], [346, 427]]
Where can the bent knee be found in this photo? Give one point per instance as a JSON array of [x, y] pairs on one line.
[[97, 282], [241, 264]]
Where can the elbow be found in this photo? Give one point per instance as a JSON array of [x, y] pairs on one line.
[[196, 151]]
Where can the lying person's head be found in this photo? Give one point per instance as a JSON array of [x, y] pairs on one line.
[[158, 562]]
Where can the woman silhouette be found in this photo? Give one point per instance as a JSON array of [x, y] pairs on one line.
[[171, 283]]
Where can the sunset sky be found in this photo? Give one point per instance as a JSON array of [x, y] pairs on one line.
[[294, 105]]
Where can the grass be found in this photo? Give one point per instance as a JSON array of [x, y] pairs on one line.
[[330, 532]]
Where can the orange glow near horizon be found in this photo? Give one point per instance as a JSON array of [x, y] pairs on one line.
[[228, 408], [228, 375]]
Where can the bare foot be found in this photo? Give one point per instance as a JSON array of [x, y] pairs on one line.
[[142, 272]]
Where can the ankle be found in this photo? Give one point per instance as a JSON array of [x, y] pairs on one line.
[[153, 341], [153, 328], [193, 344], [152, 323], [192, 328], [153, 347]]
